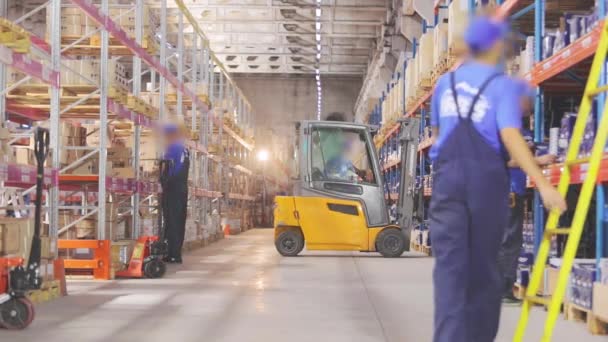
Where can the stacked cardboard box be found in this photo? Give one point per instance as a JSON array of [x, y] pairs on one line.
[[426, 56], [440, 41], [117, 224], [82, 71], [458, 15]]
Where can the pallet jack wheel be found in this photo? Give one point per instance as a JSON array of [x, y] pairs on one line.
[[16, 313], [155, 268]]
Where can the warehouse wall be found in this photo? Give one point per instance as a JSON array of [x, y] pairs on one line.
[[280, 101]]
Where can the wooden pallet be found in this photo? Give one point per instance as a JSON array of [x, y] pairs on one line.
[[171, 99], [50, 290], [37, 96], [415, 247], [595, 325], [14, 37], [92, 46]]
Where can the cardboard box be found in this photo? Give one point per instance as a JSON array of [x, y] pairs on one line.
[[10, 235], [16, 236], [550, 281], [122, 172], [600, 301]]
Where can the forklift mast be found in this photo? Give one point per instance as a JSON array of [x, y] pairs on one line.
[[408, 194]]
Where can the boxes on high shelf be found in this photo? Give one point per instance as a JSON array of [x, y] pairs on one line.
[[426, 55], [23, 155], [410, 86], [119, 156], [458, 15], [440, 42], [6, 154], [89, 167]]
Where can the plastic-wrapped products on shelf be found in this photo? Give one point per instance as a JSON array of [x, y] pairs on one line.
[[588, 136], [581, 283], [548, 44], [603, 271], [565, 132]]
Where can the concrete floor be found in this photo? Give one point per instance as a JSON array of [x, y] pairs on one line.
[[240, 289]]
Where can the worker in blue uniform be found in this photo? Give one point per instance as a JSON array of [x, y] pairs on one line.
[[512, 239], [175, 192], [475, 115]]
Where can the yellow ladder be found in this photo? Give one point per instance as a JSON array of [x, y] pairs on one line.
[[582, 207]]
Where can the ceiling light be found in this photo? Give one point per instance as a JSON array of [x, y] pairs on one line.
[[318, 78], [318, 37], [318, 71], [318, 12], [318, 55], [318, 47], [318, 26]]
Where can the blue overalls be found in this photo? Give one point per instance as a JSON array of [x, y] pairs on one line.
[[468, 214]]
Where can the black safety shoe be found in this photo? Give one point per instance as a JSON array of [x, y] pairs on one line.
[[510, 299]]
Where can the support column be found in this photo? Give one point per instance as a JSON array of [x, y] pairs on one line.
[[103, 132]]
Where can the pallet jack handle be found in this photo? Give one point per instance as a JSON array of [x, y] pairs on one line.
[[41, 152]]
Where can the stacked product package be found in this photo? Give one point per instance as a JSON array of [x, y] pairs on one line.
[[565, 134], [581, 284]]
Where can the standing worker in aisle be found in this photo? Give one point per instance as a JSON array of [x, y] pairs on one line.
[[175, 192], [512, 240], [475, 114]]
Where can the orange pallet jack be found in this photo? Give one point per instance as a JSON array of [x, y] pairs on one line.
[[149, 251], [16, 310]]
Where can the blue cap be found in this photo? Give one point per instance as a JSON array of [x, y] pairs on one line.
[[170, 128], [484, 32]]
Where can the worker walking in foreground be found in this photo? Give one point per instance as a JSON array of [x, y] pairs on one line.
[[512, 240], [175, 192], [475, 114]]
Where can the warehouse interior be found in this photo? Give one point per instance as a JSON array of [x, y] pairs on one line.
[[163, 173]]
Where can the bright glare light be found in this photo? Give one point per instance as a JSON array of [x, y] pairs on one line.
[[318, 71], [263, 155], [318, 78], [318, 47], [318, 26], [318, 12], [318, 56], [318, 37]]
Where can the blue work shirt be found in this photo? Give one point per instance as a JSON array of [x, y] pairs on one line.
[[497, 108], [518, 176], [176, 152]]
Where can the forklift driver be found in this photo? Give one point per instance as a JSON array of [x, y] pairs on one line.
[[175, 192], [338, 149]]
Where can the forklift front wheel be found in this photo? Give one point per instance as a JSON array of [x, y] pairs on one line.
[[290, 243], [16, 314], [155, 268], [391, 243]]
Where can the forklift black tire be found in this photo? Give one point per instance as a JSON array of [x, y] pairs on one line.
[[391, 243], [16, 314], [155, 268], [290, 243]]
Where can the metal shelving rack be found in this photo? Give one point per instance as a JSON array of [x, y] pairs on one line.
[[544, 74], [220, 117]]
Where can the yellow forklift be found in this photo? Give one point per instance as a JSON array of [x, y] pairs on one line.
[[338, 201]]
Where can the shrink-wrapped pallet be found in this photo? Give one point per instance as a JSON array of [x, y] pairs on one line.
[[457, 21], [440, 42], [400, 104], [410, 84], [425, 59]]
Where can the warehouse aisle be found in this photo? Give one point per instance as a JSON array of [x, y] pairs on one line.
[[240, 290]]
